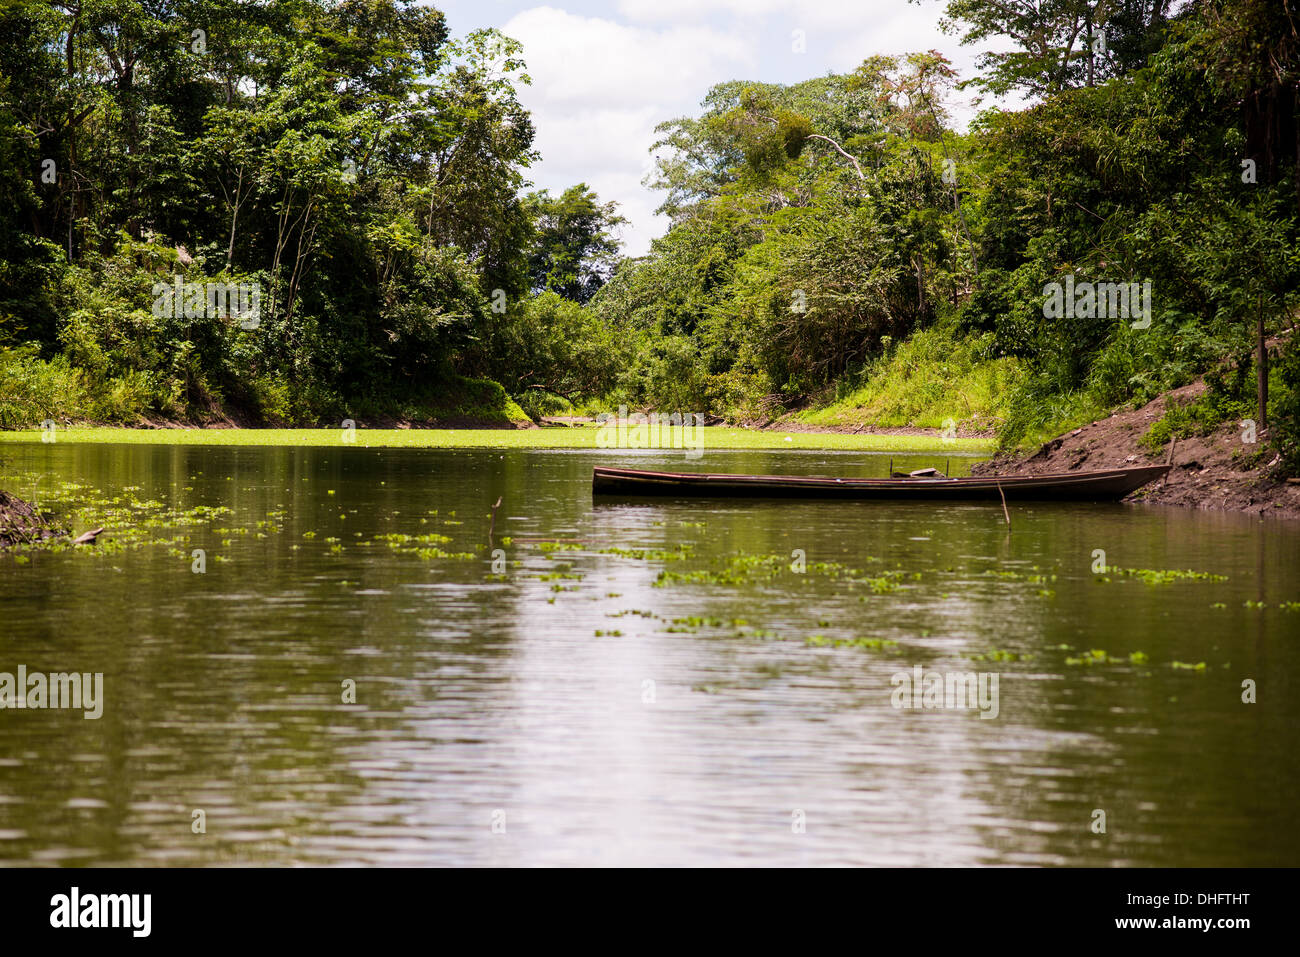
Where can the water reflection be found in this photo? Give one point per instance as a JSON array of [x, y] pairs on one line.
[[483, 701]]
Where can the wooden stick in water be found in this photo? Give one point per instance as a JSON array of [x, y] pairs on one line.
[[493, 524], [1004, 503]]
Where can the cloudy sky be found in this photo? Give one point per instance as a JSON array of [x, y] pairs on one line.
[[604, 73]]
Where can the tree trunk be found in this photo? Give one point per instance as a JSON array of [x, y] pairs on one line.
[[1261, 374], [920, 291], [234, 218], [1087, 45], [961, 218]]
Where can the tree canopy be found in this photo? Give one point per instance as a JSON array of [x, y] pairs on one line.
[[366, 170]]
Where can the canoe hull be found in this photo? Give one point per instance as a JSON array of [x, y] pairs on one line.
[[1097, 486]]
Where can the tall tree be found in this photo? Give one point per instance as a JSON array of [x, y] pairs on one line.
[[575, 249], [1060, 44]]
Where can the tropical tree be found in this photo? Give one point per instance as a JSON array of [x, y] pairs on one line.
[[575, 247]]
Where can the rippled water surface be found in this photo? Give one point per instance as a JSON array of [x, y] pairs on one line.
[[715, 720]]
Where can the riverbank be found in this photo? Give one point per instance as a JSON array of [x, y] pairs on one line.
[[22, 523], [1217, 471], [586, 436]]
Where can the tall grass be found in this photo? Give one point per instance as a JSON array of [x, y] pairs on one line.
[[934, 376], [32, 389]]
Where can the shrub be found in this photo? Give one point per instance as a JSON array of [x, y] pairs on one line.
[[1285, 422], [32, 389]]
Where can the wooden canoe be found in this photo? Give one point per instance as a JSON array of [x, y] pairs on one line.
[[1098, 486]]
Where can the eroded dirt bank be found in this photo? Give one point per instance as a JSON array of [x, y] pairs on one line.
[[21, 523], [1216, 471]]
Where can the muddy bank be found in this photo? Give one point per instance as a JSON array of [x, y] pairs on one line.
[[1217, 471], [789, 424], [23, 524], [376, 422]]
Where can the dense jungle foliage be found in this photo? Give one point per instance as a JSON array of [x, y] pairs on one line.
[[837, 250]]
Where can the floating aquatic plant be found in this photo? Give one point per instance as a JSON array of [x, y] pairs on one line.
[[1157, 576]]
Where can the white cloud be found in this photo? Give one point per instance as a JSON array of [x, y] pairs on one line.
[[592, 60], [600, 87], [602, 82], [678, 11], [825, 14]]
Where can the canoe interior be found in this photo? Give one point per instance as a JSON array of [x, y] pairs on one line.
[[1095, 486]]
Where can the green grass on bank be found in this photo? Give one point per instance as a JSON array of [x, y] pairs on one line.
[[457, 401], [34, 389], [576, 437], [934, 376]]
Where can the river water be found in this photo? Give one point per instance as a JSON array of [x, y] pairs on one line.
[[697, 683]]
